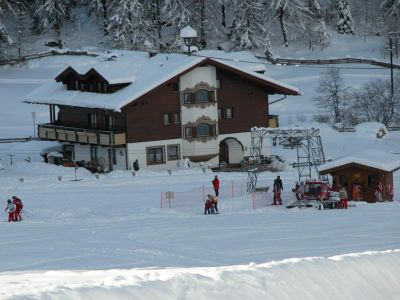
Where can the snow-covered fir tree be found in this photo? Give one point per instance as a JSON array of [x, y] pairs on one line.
[[391, 8], [247, 30], [53, 14], [345, 22], [177, 14], [5, 39], [293, 16], [323, 35], [269, 54], [101, 8], [130, 26]]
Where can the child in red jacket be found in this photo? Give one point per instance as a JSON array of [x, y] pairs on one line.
[[10, 209]]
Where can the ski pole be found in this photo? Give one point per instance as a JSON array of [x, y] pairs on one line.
[[27, 213]]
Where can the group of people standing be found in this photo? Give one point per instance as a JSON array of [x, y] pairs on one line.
[[14, 209], [211, 203]]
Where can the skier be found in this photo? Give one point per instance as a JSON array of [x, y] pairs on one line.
[[278, 187], [215, 184], [10, 209], [18, 208], [207, 205], [297, 191], [214, 201]]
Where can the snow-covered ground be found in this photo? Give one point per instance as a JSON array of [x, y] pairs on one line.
[[108, 238]]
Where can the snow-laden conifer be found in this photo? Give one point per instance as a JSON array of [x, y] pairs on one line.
[[52, 15], [345, 22], [247, 30]]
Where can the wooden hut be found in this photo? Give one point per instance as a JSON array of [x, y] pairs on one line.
[[360, 174]]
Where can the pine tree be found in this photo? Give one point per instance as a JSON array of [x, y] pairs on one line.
[[391, 8], [177, 14], [247, 30], [5, 39], [101, 8], [53, 14], [345, 22], [269, 54], [293, 16], [130, 26], [324, 38]]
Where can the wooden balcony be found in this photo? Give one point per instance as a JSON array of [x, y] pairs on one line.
[[80, 135]]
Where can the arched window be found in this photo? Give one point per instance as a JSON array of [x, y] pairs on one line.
[[201, 96]]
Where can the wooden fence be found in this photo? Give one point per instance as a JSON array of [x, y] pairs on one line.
[[289, 61], [353, 129], [13, 61], [16, 140]]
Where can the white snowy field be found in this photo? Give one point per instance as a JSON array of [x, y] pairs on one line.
[[115, 227], [108, 238]]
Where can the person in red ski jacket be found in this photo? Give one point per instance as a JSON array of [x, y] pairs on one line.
[[207, 205], [215, 184], [18, 208]]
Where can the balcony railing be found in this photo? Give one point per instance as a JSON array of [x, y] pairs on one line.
[[80, 135]]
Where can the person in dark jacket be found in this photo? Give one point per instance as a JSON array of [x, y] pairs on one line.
[[215, 184], [136, 165], [278, 187]]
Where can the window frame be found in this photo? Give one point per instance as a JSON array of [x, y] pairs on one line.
[[94, 153], [155, 162], [178, 152], [92, 120]]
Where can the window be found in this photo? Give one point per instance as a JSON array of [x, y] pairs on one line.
[[372, 179], [110, 122], [225, 113], [68, 152], [171, 118], [94, 153], [200, 130], [173, 152], [175, 87], [176, 118], [92, 118], [166, 119], [200, 96], [114, 156], [188, 132], [155, 155], [203, 130], [229, 113]]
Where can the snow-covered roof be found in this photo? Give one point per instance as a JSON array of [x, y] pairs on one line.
[[145, 73], [381, 160], [188, 32]]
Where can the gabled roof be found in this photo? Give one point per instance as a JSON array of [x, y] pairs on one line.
[[379, 160], [145, 74]]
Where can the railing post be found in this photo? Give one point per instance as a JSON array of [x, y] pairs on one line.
[[161, 199], [232, 188]]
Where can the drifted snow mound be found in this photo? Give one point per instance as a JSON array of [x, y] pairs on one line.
[[368, 275], [371, 129], [1, 167]]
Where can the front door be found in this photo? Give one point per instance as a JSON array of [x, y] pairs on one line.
[[223, 152]]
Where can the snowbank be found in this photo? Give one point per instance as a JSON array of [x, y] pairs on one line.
[[368, 275]]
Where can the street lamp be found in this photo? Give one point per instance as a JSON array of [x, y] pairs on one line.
[[34, 124], [189, 36]]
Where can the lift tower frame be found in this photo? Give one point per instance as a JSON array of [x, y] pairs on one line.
[[308, 144]]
